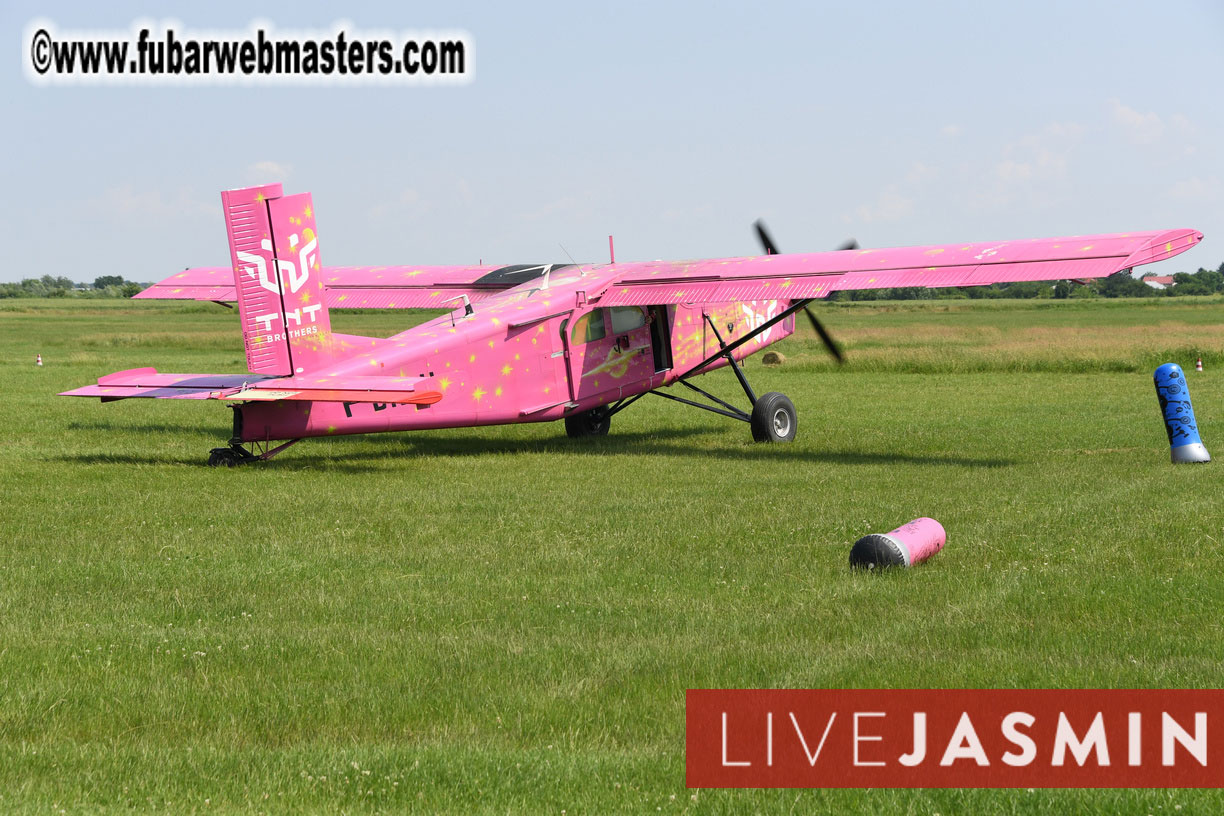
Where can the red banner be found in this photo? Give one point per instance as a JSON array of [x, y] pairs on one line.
[[955, 738]]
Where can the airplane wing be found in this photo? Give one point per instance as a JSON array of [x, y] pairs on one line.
[[365, 287], [148, 382], [817, 275]]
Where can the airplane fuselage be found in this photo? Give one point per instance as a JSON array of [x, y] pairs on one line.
[[537, 352]]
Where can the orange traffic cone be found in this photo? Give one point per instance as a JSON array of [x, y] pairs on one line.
[[1198, 365], [38, 359]]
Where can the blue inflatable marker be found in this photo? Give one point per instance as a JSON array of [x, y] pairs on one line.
[[1174, 395]]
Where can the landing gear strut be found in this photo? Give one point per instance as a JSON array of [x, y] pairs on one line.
[[773, 417]]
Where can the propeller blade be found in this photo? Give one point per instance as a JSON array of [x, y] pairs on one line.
[[763, 235], [770, 249], [829, 342]]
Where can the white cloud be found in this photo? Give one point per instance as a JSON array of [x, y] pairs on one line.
[[266, 172], [951, 131], [128, 202], [890, 205], [920, 173], [1009, 171], [1141, 128], [1033, 167], [1194, 190]]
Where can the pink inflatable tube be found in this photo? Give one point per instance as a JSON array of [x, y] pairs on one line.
[[909, 544]]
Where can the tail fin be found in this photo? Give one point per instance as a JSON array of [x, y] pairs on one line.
[[277, 277]]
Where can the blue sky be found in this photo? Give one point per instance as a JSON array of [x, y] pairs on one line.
[[672, 126]]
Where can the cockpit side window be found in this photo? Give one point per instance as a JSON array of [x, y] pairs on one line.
[[589, 328], [627, 318]]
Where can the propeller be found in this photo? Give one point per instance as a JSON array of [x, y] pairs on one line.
[[771, 249]]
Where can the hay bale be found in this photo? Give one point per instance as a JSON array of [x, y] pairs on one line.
[[773, 358]]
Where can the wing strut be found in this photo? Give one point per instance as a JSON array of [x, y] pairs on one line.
[[725, 350]]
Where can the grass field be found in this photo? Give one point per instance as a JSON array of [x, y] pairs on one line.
[[505, 620]]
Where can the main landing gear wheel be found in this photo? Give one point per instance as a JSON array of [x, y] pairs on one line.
[[594, 422], [774, 419], [229, 457]]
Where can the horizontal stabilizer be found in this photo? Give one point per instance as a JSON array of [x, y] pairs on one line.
[[335, 395], [149, 383], [319, 388]]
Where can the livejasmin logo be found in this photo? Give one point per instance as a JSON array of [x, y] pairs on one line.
[[953, 738]]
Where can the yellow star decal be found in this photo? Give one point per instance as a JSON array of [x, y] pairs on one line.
[[308, 212], [478, 393], [497, 392], [506, 369], [444, 383]]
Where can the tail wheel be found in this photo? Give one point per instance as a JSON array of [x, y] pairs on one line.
[[774, 418], [232, 456], [224, 457], [594, 422]]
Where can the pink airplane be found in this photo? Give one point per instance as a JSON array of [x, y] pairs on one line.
[[578, 342]]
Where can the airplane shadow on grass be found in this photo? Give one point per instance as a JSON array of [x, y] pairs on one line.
[[331, 454], [143, 427]]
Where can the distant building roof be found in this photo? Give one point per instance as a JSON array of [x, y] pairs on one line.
[[1159, 281]]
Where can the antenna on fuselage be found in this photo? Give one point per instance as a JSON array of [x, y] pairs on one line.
[[468, 311], [581, 271]]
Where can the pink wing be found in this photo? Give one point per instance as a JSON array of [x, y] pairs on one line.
[[794, 277]]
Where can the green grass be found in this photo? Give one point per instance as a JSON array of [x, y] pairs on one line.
[[494, 620]]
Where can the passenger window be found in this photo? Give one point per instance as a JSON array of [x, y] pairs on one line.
[[589, 327], [627, 318]]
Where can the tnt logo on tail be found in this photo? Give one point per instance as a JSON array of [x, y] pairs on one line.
[[275, 250]]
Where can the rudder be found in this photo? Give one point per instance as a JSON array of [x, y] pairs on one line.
[[274, 250]]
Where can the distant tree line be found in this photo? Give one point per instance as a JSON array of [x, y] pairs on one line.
[[105, 286], [1202, 282]]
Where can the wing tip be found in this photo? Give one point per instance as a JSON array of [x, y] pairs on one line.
[[1162, 246]]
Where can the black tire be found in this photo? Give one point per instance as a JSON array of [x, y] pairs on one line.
[[774, 418], [594, 422]]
